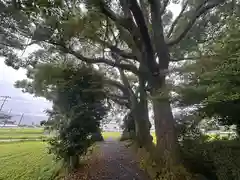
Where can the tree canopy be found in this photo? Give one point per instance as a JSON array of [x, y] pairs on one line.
[[133, 43], [213, 83], [79, 105]]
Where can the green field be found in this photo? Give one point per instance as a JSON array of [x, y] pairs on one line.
[[114, 135], [117, 135], [25, 161], [21, 133], [38, 133], [28, 160], [21, 130]]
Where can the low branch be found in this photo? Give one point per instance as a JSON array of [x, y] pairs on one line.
[[118, 51], [202, 9], [117, 85], [105, 61], [109, 62]]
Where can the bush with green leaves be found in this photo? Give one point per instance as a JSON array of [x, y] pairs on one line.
[[216, 160], [76, 91], [80, 102], [215, 157], [213, 85]]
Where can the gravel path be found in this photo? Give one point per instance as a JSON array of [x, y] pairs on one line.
[[114, 161]]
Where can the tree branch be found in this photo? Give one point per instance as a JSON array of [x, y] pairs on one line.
[[115, 98], [177, 19], [161, 47], [193, 58], [139, 18], [116, 84], [109, 62], [127, 23], [164, 6], [119, 51], [149, 61], [202, 9], [145, 9]]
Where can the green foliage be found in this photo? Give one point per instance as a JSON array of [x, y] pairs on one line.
[[80, 103], [65, 28], [78, 106], [213, 82], [14, 27], [217, 160], [157, 171], [111, 135]]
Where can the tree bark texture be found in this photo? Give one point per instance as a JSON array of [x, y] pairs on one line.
[[167, 146]]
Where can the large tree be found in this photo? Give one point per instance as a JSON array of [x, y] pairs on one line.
[[139, 37]]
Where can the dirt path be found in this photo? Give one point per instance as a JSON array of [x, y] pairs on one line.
[[114, 161]]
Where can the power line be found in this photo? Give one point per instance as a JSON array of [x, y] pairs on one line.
[[9, 113], [5, 98], [21, 119]]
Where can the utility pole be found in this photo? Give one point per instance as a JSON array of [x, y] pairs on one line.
[[9, 112], [5, 98], [9, 116], [21, 119]]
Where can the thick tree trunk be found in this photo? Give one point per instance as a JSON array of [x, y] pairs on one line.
[[139, 110], [167, 145], [129, 127], [164, 121], [73, 162], [143, 124], [238, 130]]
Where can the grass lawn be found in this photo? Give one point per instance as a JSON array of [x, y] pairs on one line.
[[21, 133], [113, 135], [21, 136], [117, 135], [25, 161], [29, 160], [21, 130]]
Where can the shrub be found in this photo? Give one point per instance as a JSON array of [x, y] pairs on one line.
[[78, 107], [217, 160]]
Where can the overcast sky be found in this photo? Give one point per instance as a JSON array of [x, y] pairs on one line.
[[33, 108]]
